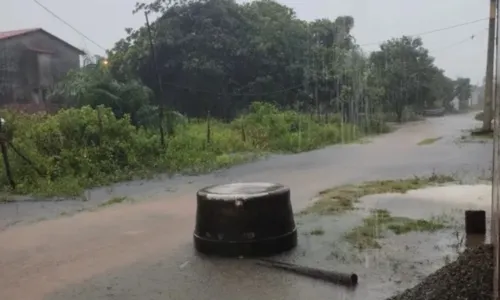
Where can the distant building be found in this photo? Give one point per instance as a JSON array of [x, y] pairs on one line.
[[476, 96], [31, 62], [455, 103]]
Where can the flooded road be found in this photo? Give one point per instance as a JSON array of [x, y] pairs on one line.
[[388, 156], [144, 250]]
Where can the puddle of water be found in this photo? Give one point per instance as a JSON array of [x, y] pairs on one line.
[[473, 240], [403, 260]]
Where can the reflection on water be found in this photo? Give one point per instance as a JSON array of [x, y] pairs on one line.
[[474, 240]]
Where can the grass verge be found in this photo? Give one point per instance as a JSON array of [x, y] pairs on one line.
[[317, 231], [381, 221], [341, 199], [114, 200], [482, 134], [428, 141]]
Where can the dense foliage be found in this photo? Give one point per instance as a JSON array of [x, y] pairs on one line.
[[84, 147], [236, 80], [220, 56]]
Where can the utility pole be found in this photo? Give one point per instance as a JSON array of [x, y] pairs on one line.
[[495, 197], [160, 83], [488, 87]]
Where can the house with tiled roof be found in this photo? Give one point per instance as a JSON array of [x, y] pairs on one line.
[[31, 62]]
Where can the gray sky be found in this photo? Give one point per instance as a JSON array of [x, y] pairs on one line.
[[375, 20]]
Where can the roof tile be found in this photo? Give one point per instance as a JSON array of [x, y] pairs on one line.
[[12, 33]]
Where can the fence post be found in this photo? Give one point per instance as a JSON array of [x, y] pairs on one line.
[[3, 146], [208, 129]]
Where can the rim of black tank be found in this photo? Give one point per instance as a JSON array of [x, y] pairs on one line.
[[241, 190]]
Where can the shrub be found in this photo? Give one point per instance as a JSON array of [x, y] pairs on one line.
[[83, 147]]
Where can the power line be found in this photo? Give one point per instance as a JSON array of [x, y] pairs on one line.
[[469, 38], [433, 31], [68, 24], [367, 44]]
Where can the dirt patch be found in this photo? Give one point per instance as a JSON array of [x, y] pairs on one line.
[[344, 198], [317, 231]]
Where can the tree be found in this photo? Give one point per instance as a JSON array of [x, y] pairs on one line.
[[443, 91], [93, 85], [220, 56], [407, 74]]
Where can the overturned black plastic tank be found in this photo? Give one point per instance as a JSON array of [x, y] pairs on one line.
[[244, 219]]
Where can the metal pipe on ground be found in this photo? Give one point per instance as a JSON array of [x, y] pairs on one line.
[[349, 280]]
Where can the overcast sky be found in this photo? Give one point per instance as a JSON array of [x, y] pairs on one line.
[[375, 20]]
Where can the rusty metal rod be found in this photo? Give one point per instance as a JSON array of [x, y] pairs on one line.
[[329, 276]]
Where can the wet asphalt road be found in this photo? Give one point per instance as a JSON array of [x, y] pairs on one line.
[[143, 250]]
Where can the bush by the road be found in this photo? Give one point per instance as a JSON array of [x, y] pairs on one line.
[[80, 148]]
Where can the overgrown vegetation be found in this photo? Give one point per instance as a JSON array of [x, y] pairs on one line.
[[238, 80], [84, 147], [381, 221], [344, 198]]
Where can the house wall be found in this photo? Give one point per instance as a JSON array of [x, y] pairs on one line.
[[455, 103], [474, 98], [31, 63]]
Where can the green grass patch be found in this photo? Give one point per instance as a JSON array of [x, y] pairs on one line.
[[317, 231], [114, 200], [428, 141], [381, 221], [343, 198]]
